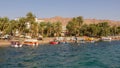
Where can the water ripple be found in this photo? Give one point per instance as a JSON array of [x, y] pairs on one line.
[[87, 55]]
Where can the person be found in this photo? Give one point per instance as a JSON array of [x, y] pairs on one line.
[[75, 39]]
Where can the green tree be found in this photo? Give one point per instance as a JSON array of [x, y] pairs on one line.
[[114, 30], [104, 29], [34, 29], [31, 21], [74, 25], [58, 28], [4, 22], [48, 29], [53, 27], [22, 25], [93, 29], [42, 27], [84, 30], [30, 17], [71, 28]]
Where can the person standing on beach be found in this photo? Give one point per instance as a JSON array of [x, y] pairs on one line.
[[75, 39]]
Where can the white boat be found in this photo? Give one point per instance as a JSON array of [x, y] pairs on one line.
[[106, 38], [31, 42], [81, 40], [16, 43]]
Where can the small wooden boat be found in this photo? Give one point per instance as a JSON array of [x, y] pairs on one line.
[[31, 42], [16, 43]]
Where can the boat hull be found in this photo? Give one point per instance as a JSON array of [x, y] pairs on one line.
[[54, 42]]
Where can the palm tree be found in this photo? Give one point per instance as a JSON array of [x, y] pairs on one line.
[[74, 25], [22, 25], [13, 27], [31, 21], [4, 24], [53, 29], [48, 29], [58, 28], [30, 17], [34, 29], [71, 27], [42, 27], [79, 21]]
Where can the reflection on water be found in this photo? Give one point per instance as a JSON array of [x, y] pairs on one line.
[[85, 55]]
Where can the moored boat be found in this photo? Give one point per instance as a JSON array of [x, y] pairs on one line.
[[31, 42], [16, 43], [54, 42], [106, 38]]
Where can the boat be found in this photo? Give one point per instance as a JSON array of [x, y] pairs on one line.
[[81, 40], [54, 42], [16, 43], [106, 38], [31, 42]]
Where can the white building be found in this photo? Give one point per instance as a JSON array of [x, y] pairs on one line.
[[38, 20]]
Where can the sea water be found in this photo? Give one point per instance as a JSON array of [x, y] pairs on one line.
[[70, 55]]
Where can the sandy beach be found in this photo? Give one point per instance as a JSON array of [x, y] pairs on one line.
[[6, 43]]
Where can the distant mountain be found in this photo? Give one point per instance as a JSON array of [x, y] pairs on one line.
[[64, 21]]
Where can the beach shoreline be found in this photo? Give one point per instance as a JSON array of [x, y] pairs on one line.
[[4, 43], [7, 43]]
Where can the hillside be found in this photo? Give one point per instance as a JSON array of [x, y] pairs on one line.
[[64, 21]]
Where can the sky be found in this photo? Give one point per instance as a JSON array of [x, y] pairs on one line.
[[93, 9]]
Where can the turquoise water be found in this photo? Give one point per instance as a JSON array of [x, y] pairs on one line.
[[86, 55]]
